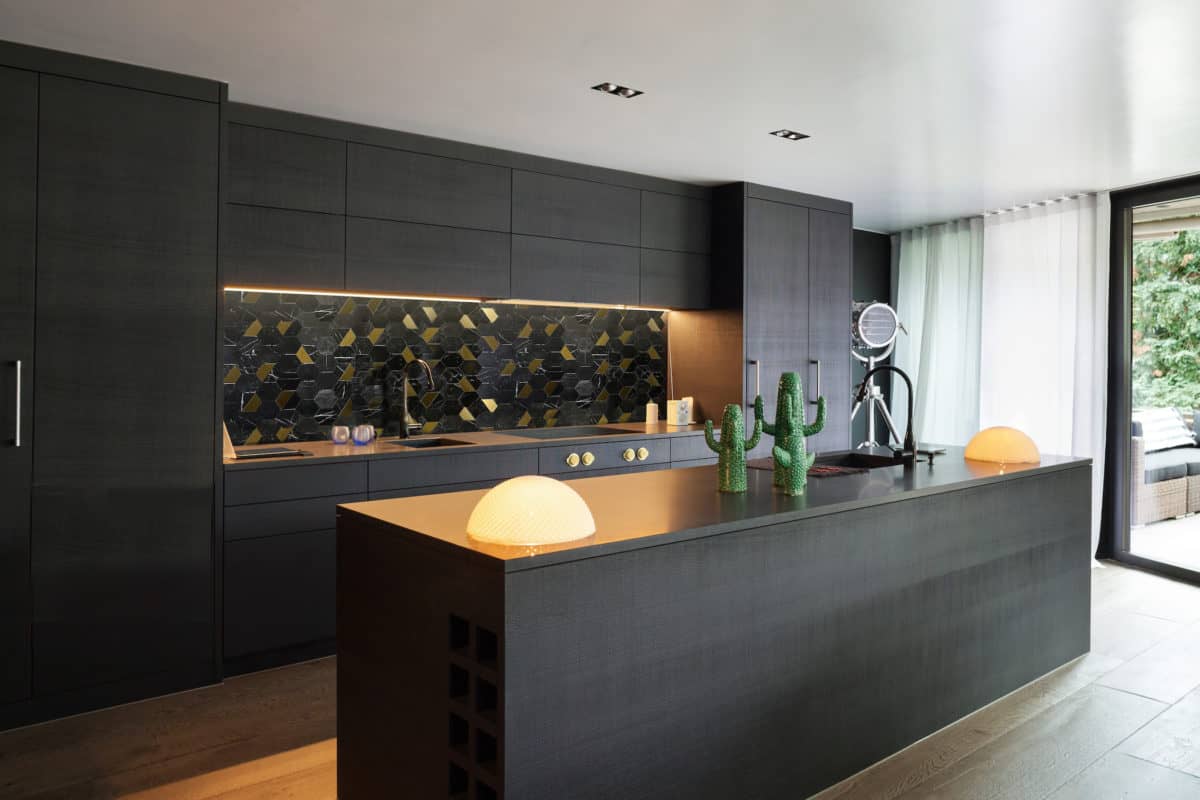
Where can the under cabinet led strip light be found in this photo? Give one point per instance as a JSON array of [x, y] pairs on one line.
[[444, 299]]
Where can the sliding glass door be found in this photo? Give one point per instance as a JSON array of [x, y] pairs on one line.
[[1154, 390]]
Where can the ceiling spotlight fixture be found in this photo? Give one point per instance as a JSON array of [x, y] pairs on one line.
[[619, 91], [784, 133]]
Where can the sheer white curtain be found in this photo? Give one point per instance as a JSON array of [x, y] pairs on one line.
[[1044, 353], [938, 292]]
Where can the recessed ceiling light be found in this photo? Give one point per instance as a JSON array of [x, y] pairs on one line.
[[784, 133], [619, 91]]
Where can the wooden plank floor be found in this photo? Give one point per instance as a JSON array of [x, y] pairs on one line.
[[1121, 722]]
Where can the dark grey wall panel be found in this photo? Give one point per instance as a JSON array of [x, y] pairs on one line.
[[280, 592], [568, 271], [127, 268], [415, 187], [286, 170], [282, 248], [448, 468], [671, 279], [566, 208], [294, 482], [674, 222], [18, 243], [402, 257]]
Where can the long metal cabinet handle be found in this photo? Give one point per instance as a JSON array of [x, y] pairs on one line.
[[757, 377], [817, 396], [17, 427]]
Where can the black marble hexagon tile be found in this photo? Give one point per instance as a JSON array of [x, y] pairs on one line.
[[296, 364]]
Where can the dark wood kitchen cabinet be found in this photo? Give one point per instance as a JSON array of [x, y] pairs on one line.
[[123, 481], [829, 325], [569, 208], [408, 258], [283, 169], [562, 270], [416, 187], [675, 222], [781, 277], [673, 279], [18, 241], [777, 302], [282, 248]]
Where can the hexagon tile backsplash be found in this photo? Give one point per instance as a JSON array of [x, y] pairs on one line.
[[296, 364]]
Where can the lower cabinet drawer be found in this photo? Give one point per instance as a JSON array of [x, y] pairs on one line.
[[445, 469], [690, 448], [280, 592], [602, 455], [599, 473], [287, 516], [696, 462]]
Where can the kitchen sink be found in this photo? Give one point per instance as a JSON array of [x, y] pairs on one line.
[[423, 443], [856, 460], [566, 433]]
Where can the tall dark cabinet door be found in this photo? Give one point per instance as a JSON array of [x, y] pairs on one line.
[[18, 208], [829, 272], [776, 301], [126, 314]]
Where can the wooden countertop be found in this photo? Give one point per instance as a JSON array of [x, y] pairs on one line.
[[652, 508], [390, 448]]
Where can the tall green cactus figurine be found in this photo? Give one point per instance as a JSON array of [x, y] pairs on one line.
[[731, 450], [791, 457]]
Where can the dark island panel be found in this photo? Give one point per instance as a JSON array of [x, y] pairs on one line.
[[776, 661], [769, 658]]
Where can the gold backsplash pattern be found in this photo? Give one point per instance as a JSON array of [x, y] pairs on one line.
[[296, 364]]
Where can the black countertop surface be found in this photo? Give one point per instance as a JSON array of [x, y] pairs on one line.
[[652, 508]]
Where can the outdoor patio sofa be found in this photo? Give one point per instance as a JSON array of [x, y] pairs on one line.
[[1166, 480]]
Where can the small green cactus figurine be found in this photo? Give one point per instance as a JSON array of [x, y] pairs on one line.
[[791, 458], [731, 450]]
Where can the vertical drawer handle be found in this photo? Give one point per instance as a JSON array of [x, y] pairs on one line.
[[17, 425], [817, 396]]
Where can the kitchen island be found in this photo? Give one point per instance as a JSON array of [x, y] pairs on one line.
[[701, 645]]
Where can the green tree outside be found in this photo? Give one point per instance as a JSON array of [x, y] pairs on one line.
[[1166, 322]]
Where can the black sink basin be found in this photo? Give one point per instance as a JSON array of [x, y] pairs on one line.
[[422, 443], [856, 460], [566, 433]]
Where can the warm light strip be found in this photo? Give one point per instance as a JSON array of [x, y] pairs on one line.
[[325, 293], [505, 301], [618, 306]]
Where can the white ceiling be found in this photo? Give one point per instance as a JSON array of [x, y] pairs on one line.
[[919, 110]]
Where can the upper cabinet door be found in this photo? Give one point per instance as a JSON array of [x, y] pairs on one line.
[[776, 301], [829, 271], [560, 270], [286, 170], [18, 239], [414, 187], [673, 222], [568, 208], [282, 248]]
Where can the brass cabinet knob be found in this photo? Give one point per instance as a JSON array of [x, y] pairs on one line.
[[643, 454], [573, 460], [588, 459], [628, 454]]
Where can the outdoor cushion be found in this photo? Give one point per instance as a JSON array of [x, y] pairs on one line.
[[1170, 464], [1163, 429]]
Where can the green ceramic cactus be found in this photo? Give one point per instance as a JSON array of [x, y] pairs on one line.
[[731, 450], [791, 457]]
